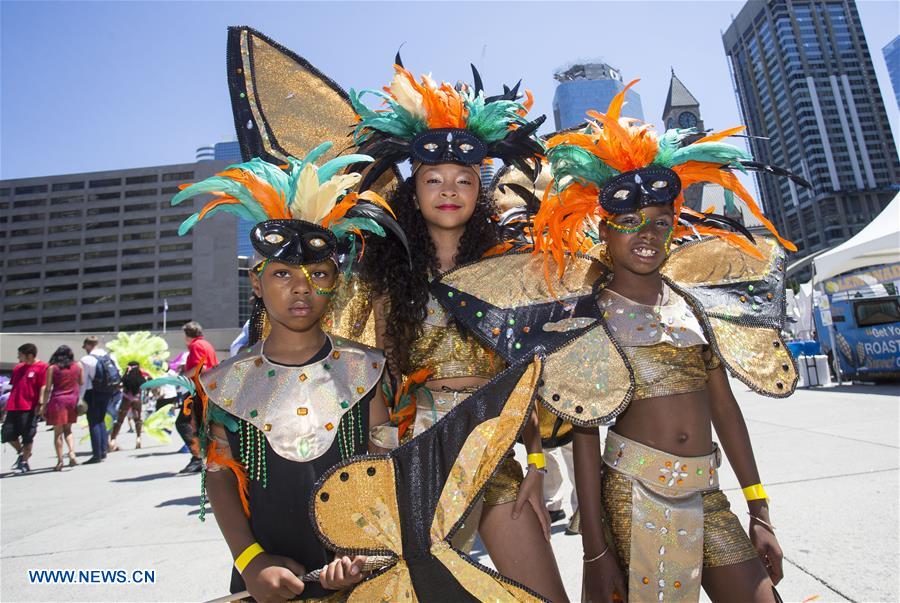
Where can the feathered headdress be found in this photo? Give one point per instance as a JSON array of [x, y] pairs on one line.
[[618, 165], [148, 350], [430, 123], [305, 214]]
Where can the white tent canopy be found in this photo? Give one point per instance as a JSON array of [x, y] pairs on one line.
[[877, 243]]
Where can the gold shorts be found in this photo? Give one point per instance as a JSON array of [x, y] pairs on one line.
[[504, 486], [724, 540]]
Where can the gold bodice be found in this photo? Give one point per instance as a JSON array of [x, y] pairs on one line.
[[664, 344], [444, 350]]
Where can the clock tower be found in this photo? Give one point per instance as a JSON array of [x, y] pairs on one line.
[[682, 111]]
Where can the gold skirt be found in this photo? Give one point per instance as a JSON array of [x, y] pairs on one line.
[[724, 540]]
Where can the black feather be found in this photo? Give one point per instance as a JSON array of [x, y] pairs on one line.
[[476, 77], [718, 220], [382, 218], [777, 171], [532, 202]]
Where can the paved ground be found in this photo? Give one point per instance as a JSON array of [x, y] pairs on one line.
[[829, 459]]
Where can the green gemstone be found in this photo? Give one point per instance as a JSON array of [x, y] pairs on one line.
[[449, 293], [641, 460], [518, 346], [271, 372], [243, 95], [479, 314], [253, 413], [631, 315], [749, 287], [345, 404], [511, 321], [699, 471], [326, 366]]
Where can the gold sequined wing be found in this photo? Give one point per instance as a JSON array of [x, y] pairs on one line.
[[283, 106], [740, 300], [507, 303], [409, 504], [350, 314]]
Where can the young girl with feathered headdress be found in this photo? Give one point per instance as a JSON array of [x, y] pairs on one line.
[[297, 401], [447, 132]]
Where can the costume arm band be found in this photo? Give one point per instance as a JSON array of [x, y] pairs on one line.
[[755, 492], [537, 459], [250, 553]]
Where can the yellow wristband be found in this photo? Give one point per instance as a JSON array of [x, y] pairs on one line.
[[537, 459], [250, 553], [755, 492]]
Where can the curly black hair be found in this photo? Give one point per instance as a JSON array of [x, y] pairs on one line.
[[386, 269]]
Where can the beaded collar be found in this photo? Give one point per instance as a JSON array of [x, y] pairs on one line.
[[298, 409]]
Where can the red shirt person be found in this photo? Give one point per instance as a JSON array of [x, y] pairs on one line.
[[200, 351], [28, 380]]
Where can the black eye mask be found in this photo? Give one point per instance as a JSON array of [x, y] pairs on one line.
[[448, 145], [293, 241], [630, 191]]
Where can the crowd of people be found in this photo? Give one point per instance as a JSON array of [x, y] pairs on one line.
[[60, 390]]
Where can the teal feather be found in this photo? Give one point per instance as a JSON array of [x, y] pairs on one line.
[[729, 201], [328, 170], [268, 173], [712, 152], [188, 224], [669, 142], [176, 381], [221, 184], [491, 121], [314, 155], [217, 415], [578, 164]]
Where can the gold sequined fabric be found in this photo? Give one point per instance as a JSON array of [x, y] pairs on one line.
[[504, 486], [724, 540], [443, 349], [662, 370], [298, 409], [350, 314], [664, 343], [742, 301], [292, 105]]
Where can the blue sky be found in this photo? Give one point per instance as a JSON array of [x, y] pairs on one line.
[[105, 85]]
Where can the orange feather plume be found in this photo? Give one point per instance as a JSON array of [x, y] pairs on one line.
[[269, 199], [240, 473]]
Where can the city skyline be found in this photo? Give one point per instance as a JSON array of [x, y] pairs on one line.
[[61, 113]]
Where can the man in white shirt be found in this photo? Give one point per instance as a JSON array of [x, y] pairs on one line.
[[97, 401]]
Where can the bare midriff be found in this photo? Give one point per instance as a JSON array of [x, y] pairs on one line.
[[679, 424]]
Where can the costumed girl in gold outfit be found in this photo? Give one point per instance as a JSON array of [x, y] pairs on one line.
[[639, 330], [447, 133]]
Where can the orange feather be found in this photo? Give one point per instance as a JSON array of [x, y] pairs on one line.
[[213, 456], [269, 199]]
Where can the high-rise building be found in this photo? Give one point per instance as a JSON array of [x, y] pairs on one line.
[[892, 58], [808, 94], [586, 86], [101, 252], [230, 152]]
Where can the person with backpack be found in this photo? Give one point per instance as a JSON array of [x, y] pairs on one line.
[[102, 381]]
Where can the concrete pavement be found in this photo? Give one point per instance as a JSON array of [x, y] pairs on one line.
[[828, 457]]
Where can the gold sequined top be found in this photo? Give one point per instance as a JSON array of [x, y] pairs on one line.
[[444, 350], [664, 344]]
